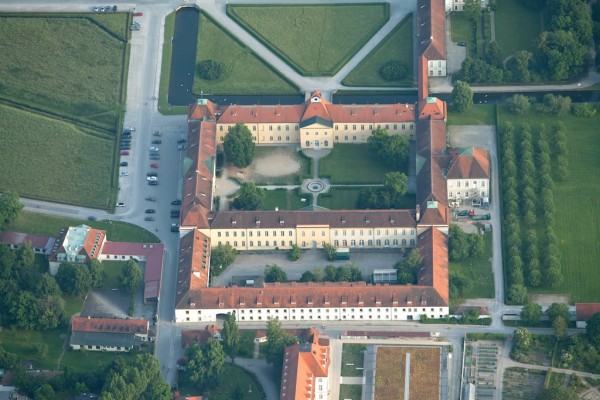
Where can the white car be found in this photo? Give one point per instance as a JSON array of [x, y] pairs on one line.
[[153, 149], [120, 204], [123, 173], [152, 178]]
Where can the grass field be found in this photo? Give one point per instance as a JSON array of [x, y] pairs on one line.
[[24, 343], [116, 231], [478, 271], [112, 274], [391, 372], [577, 202], [316, 40], [346, 198], [73, 305], [284, 200], [165, 71], [353, 358], [395, 47], [68, 66], [462, 31], [91, 360], [478, 114], [352, 164], [49, 159], [350, 392], [244, 72], [517, 27], [233, 376]]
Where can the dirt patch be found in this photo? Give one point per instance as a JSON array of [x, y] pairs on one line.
[[547, 299], [472, 136], [276, 164], [269, 162]]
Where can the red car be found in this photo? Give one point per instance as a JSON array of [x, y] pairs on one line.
[[138, 14], [154, 165], [124, 153]]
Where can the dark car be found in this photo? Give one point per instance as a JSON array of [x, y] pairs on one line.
[[124, 153], [176, 202], [174, 228], [174, 214], [150, 211], [152, 173], [149, 219], [123, 164], [462, 44], [155, 157], [181, 141], [91, 218], [152, 183], [157, 141]]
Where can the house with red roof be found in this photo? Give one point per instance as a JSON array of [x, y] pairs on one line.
[[76, 245], [108, 334], [41, 244], [468, 173], [584, 312]]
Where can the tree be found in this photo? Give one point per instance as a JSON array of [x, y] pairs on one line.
[[462, 96], [273, 273], [277, 339], [493, 54], [592, 329], [531, 313], [584, 110], [222, 257], [458, 245], [558, 310], [393, 71], [45, 392], [330, 273], [96, 272], [26, 255], [391, 149], [517, 294], [10, 207], [560, 54], [209, 70], [522, 339], [294, 253], [249, 197], [476, 244], [397, 185], [518, 104], [239, 146], [318, 274], [307, 276], [520, 64], [472, 10], [73, 279], [206, 362], [459, 285], [131, 275], [51, 312], [559, 326], [331, 251], [137, 379], [554, 104], [408, 267], [231, 336]]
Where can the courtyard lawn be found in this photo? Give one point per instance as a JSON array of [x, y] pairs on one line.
[[233, 376], [244, 72], [112, 274], [350, 392], [82, 361], [165, 71], [517, 26], [462, 31], [50, 159], [353, 357], [284, 200], [116, 231], [352, 164], [73, 305], [316, 40], [478, 114], [66, 65], [394, 47], [576, 201], [43, 348], [478, 271], [339, 198]]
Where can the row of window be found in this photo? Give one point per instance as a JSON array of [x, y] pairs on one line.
[[465, 194], [337, 127], [378, 231], [361, 243], [343, 232], [336, 243], [451, 183], [266, 233]]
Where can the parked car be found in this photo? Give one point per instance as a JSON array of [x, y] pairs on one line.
[[462, 44], [151, 198], [129, 128], [174, 213], [157, 133], [91, 218], [181, 141], [149, 219], [152, 173], [152, 183], [154, 153], [174, 228], [123, 173], [125, 147], [151, 178], [124, 153], [150, 210], [153, 149], [176, 202], [123, 164], [120, 204], [138, 14], [155, 157], [157, 141], [181, 147], [154, 165]]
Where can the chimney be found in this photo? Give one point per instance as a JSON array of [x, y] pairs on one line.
[[418, 214]]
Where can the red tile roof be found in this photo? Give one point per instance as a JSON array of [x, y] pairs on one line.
[[431, 144], [109, 325], [261, 114], [423, 81], [202, 109], [433, 247], [200, 336], [432, 108], [585, 311], [93, 242], [431, 29], [18, 238], [193, 263], [153, 252], [473, 162]]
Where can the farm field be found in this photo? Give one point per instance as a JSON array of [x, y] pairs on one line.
[[352, 164], [316, 40], [517, 26], [579, 252], [70, 65], [424, 373], [50, 159], [244, 72], [478, 271], [393, 47], [116, 231]]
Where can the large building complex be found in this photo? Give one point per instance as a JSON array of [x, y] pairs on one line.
[[320, 124]]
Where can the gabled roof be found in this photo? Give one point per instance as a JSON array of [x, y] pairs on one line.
[[200, 336], [193, 265], [110, 325], [371, 113], [433, 247], [423, 80], [432, 108], [431, 29], [260, 114], [469, 163], [202, 110], [585, 311], [37, 241], [431, 145], [316, 106], [434, 214], [78, 244]]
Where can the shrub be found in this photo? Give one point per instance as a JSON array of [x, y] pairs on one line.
[[209, 70], [583, 110], [518, 104], [393, 71]]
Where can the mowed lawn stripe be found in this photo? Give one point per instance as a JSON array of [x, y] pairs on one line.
[[66, 66], [397, 46], [314, 39], [517, 26], [244, 72], [53, 160]]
